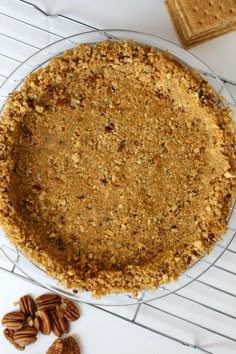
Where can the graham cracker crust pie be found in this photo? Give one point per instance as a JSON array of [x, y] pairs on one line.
[[116, 167]]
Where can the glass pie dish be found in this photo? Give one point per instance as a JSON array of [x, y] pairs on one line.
[[41, 59]]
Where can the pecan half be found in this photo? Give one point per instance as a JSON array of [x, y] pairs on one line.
[[9, 334], [27, 305], [71, 346], [57, 347], [25, 336], [47, 302], [59, 325], [71, 311], [13, 320], [44, 322]]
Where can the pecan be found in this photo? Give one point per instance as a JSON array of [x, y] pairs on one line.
[[109, 127], [37, 323], [65, 326], [39, 109], [59, 325], [60, 310], [61, 102], [44, 322], [13, 320], [57, 347], [92, 78], [56, 327], [121, 145], [47, 302], [29, 322], [27, 305], [9, 334], [71, 311], [25, 336], [71, 346]]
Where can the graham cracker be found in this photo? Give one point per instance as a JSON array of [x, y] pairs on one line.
[[196, 22]]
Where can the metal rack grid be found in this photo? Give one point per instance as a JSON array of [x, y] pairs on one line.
[[203, 309]]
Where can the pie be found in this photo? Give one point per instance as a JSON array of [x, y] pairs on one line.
[[117, 167]]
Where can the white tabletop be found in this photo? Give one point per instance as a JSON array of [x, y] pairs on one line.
[[161, 327]]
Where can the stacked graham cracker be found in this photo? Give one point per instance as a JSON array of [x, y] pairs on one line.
[[198, 21]]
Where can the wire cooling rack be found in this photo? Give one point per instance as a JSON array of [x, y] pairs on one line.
[[201, 315]]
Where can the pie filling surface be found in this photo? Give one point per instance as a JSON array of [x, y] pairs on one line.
[[117, 167]]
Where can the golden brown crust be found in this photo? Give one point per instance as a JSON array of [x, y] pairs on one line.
[[125, 161]]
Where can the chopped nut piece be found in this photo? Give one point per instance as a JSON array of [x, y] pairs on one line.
[[75, 158], [39, 109], [228, 175], [110, 127], [90, 256]]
